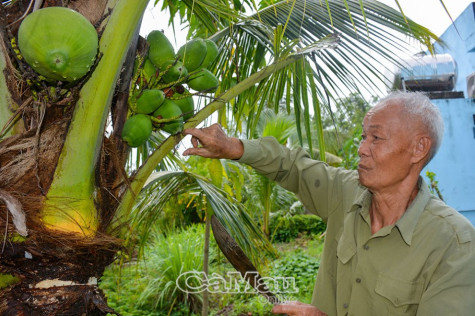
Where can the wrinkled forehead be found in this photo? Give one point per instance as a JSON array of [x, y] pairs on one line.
[[393, 117]]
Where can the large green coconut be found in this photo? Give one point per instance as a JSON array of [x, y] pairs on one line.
[[137, 129], [169, 109], [193, 53], [160, 50], [203, 80], [175, 71], [58, 43], [149, 100], [211, 53]]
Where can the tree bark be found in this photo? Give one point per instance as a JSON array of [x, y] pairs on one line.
[[205, 307]]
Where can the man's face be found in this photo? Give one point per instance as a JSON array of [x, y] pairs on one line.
[[386, 147]]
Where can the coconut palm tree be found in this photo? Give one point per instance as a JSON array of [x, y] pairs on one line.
[[66, 196]]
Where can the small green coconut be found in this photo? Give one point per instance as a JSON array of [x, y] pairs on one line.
[[160, 50], [149, 70], [137, 129], [58, 43], [203, 80], [149, 100], [169, 109], [187, 107], [211, 53], [193, 53], [175, 72]]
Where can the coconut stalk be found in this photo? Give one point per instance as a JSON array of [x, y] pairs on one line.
[[127, 201], [69, 205]]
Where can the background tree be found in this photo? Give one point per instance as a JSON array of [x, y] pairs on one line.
[[66, 194]]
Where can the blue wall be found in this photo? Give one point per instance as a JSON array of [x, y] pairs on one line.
[[454, 164], [461, 45]]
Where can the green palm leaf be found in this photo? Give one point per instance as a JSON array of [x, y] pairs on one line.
[[162, 185], [371, 33]]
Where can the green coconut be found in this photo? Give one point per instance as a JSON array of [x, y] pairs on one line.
[[137, 129], [160, 50], [149, 100], [175, 72], [187, 107], [58, 43], [169, 109], [204, 80], [149, 70], [193, 53], [211, 53]]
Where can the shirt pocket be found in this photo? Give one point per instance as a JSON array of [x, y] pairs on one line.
[[399, 296]]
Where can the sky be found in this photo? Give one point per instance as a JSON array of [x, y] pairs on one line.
[[431, 13]]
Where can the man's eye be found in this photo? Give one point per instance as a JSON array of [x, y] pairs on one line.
[[363, 137]]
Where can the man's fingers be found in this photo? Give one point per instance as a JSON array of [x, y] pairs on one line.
[[194, 141], [196, 132], [282, 308], [297, 308], [200, 151]]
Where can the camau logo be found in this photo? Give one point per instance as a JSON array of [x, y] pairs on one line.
[[233, 282]]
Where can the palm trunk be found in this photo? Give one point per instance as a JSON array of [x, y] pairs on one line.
[[267, 206], [205, 307]]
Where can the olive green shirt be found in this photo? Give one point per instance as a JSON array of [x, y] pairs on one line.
[[422, 265]]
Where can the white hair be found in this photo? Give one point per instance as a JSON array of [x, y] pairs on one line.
[[419, 106]]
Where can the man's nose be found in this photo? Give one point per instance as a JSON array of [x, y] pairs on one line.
[[363, 148]]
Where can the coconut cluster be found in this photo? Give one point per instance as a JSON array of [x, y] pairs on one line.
[[160, 97]]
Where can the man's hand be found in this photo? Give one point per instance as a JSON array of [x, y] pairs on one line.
[[297, 309], [212, 142]]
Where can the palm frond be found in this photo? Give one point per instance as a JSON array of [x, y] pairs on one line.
[[371, 34], [203, 17], [162, 185]]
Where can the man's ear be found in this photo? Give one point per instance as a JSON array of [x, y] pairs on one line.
[[423, 144]]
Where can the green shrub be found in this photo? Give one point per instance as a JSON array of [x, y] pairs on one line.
[[284, 229], [303, 268], [256, 304]]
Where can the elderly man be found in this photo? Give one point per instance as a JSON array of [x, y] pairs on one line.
[[391, 247]]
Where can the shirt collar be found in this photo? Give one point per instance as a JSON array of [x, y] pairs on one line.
[[408, 221]]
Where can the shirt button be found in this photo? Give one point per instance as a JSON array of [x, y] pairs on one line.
[[345, 305], [358, 280], [365, 247]]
